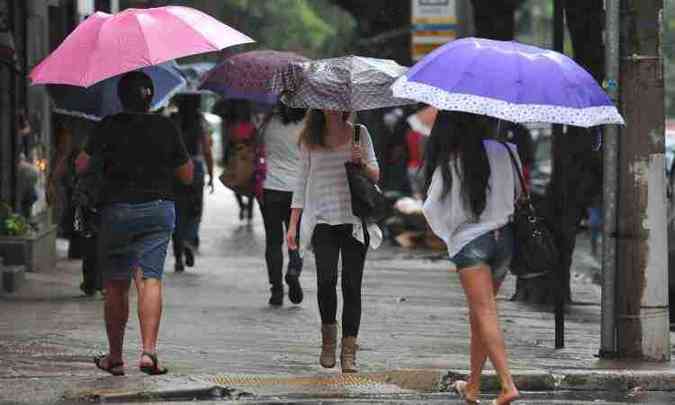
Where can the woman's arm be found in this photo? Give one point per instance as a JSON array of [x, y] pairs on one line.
[[292, 234], [298, 202], [185, 172], [364, 154]]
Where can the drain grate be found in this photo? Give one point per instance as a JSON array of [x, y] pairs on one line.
[[342, 380]]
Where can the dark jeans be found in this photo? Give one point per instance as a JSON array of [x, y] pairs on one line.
[[276, 213], [189, 208], [329, 242]]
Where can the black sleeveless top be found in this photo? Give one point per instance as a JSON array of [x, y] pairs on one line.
[[140, 154]]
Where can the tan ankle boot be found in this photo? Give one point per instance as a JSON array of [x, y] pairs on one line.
[[348, 355], [329, 344]]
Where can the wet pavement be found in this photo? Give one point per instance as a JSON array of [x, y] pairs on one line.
[[218, 331]]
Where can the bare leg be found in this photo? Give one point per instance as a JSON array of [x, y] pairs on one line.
[[149, 312], [478, 354], [483, 310], [116, 313]]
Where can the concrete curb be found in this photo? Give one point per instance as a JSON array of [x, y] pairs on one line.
[[427, 381], [576, 380]]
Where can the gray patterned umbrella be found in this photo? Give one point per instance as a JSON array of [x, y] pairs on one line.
[[348, 83]]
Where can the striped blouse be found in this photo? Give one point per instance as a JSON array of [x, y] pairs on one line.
[[322, 190]]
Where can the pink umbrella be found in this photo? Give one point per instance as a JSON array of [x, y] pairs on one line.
[[106, 45]]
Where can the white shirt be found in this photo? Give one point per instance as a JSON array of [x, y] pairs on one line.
[[282, 154], [452, 221], [322, 190]]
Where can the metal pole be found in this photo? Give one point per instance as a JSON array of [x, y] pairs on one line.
[[610, 151], [561, 291]]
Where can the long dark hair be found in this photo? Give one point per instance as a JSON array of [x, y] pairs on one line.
[[189, 111], [457, 139], [314, 133]]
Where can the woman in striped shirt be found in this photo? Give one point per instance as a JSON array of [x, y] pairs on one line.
[[328, 224]]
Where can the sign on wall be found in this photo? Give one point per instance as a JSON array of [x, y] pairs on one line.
[[434, 23]]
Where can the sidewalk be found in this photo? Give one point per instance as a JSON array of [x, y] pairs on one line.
[[218, 331]]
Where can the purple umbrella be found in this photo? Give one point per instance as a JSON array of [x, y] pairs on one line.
[[510, 81], [247, 75]]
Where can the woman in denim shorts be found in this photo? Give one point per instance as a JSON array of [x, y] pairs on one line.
[[470, 194], [142, 154]]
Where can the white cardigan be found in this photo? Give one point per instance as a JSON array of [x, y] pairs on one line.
[[453, 222]]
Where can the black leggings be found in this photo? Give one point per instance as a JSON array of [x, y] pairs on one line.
[[329, 242], [276, 213]]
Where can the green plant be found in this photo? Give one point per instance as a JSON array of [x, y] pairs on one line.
[[16, 225], [12, 224]]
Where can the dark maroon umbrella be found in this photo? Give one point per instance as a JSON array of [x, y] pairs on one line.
[[247, 75]]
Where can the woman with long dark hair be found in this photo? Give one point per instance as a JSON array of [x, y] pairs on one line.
[[323, 199], [141, 154], [280, 133], [471, 189]]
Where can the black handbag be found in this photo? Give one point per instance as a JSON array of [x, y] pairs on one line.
[[535, 253], [368, 202], [86, 197]]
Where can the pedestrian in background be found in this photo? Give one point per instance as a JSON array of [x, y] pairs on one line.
[[142, 153], [241, 133], [190, 198], [471, 189], [280, 133], [323, 199]]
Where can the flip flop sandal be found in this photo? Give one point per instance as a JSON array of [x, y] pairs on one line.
[[459, 387], [152, 369], [116, 369]]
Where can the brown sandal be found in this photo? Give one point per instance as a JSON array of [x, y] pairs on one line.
[[116, 369], [152, 369]]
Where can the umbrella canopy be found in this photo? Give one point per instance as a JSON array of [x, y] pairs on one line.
[[106, 45], [247, 75], [349, 83], [101, 99], [194, 73], [510, 81]]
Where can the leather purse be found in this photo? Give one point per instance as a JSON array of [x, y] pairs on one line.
[[535, 253], [368, 202]]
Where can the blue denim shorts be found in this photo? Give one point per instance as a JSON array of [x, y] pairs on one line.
[[135, 236], [494, 248]]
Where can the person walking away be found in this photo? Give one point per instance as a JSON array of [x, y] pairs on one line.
[[27, 178], [471, 189], [329, 226], [241, 132], [280, 134], [190, 198], [141, 153]]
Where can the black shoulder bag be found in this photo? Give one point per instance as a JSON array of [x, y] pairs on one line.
[[368, 202], [535, 253]]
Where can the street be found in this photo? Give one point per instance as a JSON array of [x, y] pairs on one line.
[[218, 331]]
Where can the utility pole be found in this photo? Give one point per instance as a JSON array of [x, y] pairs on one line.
[[610, 145], [642, 259], [559, 144]]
